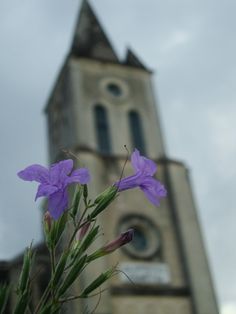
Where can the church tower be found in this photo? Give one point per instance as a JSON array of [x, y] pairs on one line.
[[99, 104]]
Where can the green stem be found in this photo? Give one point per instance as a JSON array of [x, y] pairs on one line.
[[44, 296], [79, 225], [71, 298], [50, 287], [52, 257]]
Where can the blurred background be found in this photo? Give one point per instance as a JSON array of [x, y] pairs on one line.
[[191, 47]]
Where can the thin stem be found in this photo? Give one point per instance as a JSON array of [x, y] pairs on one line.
[[52, 257], [49, 286], [80, 297], [45, 294], [78, 226], [123, 168], [99, 299]]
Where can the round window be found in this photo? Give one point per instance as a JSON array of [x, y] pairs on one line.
[[114, 89], [140, 241], [146, 241]]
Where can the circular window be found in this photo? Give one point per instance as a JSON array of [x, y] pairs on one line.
[[114, 89], [140, 241], [146, 241]]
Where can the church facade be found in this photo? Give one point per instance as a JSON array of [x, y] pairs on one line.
[[99, 104]]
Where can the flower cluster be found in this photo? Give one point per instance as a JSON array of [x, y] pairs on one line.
[[55, 180], [79, 221]]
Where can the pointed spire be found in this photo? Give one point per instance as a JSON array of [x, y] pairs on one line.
[[90, 40], [132, 60]]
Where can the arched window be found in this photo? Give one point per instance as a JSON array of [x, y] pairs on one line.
[[102, 129], [136, 131]]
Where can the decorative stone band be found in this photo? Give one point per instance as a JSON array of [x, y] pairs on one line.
[[145, 274]]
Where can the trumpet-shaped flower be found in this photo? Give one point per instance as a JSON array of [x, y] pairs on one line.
[[122, 239], [53, 183], [143, 178]]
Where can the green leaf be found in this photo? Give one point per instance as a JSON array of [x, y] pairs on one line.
[[60, 268], [98, 282], [103, 200], [22, 303], [23, 289], [97, 254], [56, 231], [61, 224], [85, 191], [88, 240], [104, 194], [50, 309], [4, 295], [46, 309], [25, 272], [72, 275], [76, 202]]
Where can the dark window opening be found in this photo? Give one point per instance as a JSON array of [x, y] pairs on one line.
[[136, 132], [114, 89], [140, 241], [102, 130]]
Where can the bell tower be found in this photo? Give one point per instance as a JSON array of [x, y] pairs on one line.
[[99, 104]]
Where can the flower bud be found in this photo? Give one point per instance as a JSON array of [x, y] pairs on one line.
[[82, 232], [47, 221], [124, 238], [103, 200]]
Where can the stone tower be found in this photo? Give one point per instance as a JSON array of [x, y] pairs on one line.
[[99, 104]]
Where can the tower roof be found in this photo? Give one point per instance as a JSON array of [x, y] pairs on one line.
[[90, 40], [132, 60]]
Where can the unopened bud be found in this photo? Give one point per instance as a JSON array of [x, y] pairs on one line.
[[124, 238], [82, 232], [47, 221], [103, 200]]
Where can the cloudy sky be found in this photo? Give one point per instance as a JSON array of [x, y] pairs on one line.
[[191, 46]]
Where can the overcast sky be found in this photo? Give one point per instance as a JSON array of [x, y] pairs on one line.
[[191, 46]]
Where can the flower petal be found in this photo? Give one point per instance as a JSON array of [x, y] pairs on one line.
[[151, 196], [57, 203], [35, 173], [59, 171], [135, 159], [142, 164], [153, 190], [45, 190], [81, 175], [129, 182]]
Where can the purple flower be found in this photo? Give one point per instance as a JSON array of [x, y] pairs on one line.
[[122, 239], [54, 182], [143, 178]]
